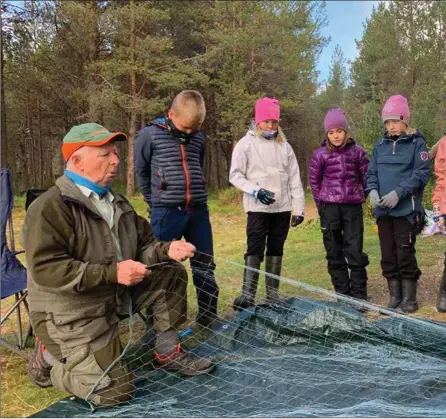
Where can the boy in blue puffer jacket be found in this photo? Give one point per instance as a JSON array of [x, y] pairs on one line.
[[396, 177], [169, 166]]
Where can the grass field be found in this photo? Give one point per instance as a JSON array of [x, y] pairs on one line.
[[304, 261]]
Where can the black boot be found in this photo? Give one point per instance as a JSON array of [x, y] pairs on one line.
[[409, 304], [396, 293], [273, 265], [441, 298], [250, 281], [340, 278]]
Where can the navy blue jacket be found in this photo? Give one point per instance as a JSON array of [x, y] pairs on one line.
[[401, 165], [170, 173]]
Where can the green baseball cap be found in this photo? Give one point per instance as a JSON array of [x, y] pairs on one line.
[[90, 134]]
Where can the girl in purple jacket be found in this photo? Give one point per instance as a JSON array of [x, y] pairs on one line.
[[337, 179]]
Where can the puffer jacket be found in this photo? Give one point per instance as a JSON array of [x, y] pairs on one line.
[[169, 172], [260, 163], [402, 165], [338, 176], [439, 192], [72, 261]]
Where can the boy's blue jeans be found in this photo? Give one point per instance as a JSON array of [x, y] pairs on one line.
[[194, 225]]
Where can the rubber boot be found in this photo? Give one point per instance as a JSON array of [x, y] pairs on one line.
[[396, 293], [441, 298], [250, 281], [409, 304], [273, 265]]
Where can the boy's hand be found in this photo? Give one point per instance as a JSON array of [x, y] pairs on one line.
[[390, 200], [180, 250]]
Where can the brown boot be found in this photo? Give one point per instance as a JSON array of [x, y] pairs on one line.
[[184, 363], [39, 371]]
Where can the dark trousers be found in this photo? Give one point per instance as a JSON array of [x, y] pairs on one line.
[[343, 234], [268, 230], [397, 239], [194, 225]]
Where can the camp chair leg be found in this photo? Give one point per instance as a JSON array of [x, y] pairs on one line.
[[19, 323], [8, 313], [15, 349]]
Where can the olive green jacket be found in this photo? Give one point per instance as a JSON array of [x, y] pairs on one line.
[[71, 257]]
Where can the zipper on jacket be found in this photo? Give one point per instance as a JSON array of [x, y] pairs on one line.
[[186, 174]]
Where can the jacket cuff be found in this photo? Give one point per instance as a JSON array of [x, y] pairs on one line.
[[401, 192]]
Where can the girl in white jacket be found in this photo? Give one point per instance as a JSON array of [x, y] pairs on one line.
[[265, 168]]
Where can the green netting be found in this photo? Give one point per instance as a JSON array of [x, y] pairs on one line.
[[305, 358]]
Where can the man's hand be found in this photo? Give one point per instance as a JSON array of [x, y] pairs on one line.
[[131, 272], [180, 250], [296, 220], [264, 196], [390, 200]]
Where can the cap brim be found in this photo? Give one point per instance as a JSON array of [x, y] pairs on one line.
[[116, 136]]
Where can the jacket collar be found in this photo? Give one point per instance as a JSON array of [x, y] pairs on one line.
[[404, 136], [71, 192]]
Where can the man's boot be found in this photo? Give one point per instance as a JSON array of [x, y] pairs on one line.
[[39, 370], [441, 298], [170, 357], [273, 265], [409, 304], [250, 281], [396, 293]]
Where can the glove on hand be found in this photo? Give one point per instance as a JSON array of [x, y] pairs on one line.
[[296, 220], [375, 200], [264, 196], [390, 200]]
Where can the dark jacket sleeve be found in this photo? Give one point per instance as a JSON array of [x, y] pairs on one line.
[[420, 173], [315, 175], [363, 164], [371, 176], [143, 161], [203, 153], [48, 239], [150, 250]]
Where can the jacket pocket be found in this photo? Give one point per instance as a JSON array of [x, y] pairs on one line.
[[79, 327], [405, 159]]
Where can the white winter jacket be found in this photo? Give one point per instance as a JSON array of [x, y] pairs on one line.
[[261, 163]]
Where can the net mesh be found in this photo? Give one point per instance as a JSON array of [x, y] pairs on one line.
[[311, 354]]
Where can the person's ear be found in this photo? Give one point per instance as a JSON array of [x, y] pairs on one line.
[[77, 162]]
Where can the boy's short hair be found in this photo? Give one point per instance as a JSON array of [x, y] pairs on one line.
[[190, 103]]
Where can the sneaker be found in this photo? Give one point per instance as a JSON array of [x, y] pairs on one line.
[[39, 371], [184, 363]]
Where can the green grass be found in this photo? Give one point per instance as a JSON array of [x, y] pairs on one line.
[[304, 261]]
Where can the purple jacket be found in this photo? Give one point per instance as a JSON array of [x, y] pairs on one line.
[[338, 176]]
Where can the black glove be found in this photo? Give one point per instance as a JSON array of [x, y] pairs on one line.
[[265, 197], [296, 220]]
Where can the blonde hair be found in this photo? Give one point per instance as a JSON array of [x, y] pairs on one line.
[[280, 137], [190, 103]]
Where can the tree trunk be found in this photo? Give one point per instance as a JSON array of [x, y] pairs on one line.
[[133, 93], [4, 148]]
